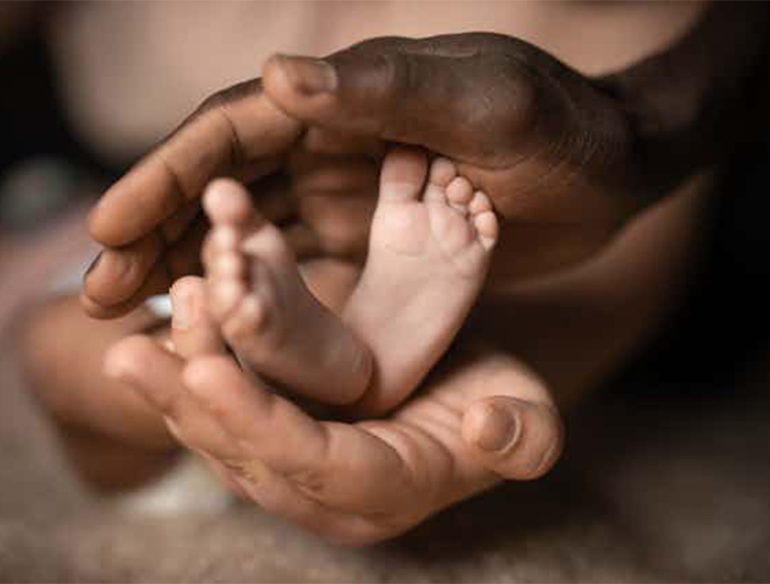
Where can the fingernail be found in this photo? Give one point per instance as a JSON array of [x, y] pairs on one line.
[[182, 309], [310, 76], [498, 430]]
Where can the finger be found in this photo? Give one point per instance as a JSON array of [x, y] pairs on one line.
[[402, 90], [109, 286], [336, 464], [147, 367], [156, 282], [156, 375], [193, 333], [514, 438], [237, 132], [176, 225], [252, 480], [232, 129], [122, 267]]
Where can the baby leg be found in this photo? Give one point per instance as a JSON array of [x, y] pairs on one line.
[[265, 311]]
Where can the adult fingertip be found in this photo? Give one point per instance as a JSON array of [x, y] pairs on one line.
[[103, 225], [516, 439], [94, 224], [303, 75]]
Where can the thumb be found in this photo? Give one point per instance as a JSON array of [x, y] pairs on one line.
[[404, 90], [514, 438]]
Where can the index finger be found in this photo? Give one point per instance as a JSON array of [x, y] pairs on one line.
[[237, 130]]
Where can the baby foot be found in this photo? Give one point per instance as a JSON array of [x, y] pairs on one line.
[[265, 311], [429, 251], [445, 222]]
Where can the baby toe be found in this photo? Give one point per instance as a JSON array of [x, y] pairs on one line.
[[487, 228], [459, 192], [403, 174], [442, 171], [248, 319], [480, 203], [227, 202], [224, 295], [228, 265], [223, 239]]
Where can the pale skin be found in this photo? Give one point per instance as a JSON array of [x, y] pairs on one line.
[[431, 240], [328, 476]]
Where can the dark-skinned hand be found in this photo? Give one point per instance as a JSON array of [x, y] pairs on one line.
[[552, 150]]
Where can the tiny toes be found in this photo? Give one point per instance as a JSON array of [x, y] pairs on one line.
[[479, 204], [227, 202], [223, 238], [229, 265], [442, 171], [224, 296], [487, 228], [459, 191]]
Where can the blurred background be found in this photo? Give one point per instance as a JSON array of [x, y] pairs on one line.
[[677, 487]]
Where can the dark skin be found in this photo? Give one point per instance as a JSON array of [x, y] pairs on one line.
[[567, 160]]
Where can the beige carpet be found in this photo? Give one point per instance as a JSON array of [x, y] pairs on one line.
[[648, 490]]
